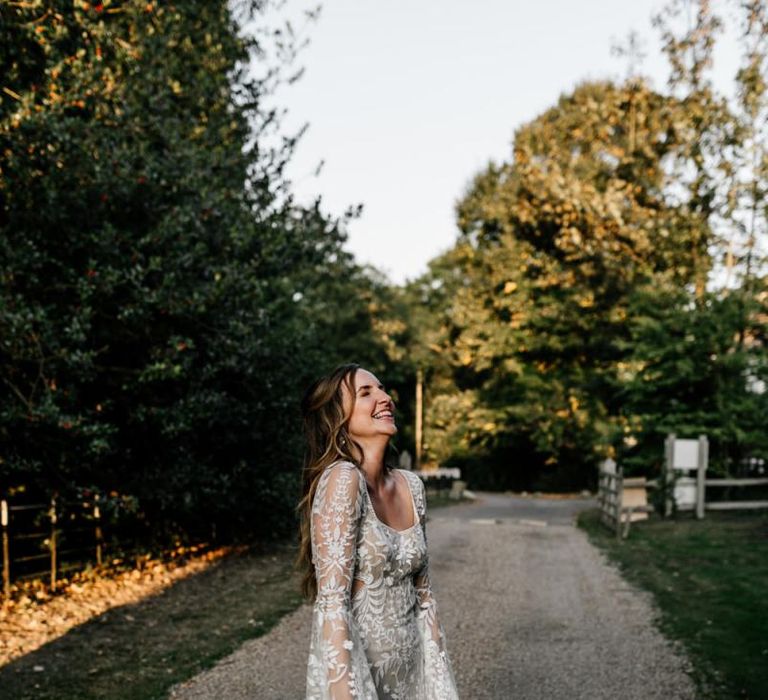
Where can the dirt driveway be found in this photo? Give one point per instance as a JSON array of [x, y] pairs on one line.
[[530, 609]]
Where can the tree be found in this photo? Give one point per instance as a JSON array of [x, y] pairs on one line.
[[579, 322], [699, 363], [553, 245], [152, 337], [688, 374], [705, 124]]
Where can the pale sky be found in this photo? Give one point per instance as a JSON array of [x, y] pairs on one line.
[[407, 101]]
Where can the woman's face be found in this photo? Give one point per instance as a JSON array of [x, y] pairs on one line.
[[373, 412]]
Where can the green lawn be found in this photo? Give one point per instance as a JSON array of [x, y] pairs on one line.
[[710, 581]]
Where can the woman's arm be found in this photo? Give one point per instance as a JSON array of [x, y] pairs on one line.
[[427, 605], [439, 679], [336, 515], [423, 586]]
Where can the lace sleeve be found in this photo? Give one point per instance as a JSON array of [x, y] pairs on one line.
[[438, 671], [337, 669]]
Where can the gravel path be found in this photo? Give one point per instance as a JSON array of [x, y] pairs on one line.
[[530, 609]]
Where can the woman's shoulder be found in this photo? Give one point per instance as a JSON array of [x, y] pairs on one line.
[[414, 480], [342, 470], [342, 466], [417, 488]]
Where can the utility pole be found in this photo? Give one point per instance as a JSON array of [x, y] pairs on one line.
[[419, 412]]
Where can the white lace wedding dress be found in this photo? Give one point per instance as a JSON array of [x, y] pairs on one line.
[[375, 630]]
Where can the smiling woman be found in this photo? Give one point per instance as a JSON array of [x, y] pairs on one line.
[[375, 629]]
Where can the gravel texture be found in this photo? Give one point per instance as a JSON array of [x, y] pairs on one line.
[[530, 608]]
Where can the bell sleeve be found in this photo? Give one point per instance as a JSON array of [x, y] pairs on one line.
[[439, 680], [338, 668]]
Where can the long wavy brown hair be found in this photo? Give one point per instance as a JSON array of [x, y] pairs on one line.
[[327, 441]]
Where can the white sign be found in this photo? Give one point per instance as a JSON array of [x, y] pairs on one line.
[[685, 454]]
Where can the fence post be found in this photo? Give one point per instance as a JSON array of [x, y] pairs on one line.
[[604, 497], [619, 499], [6, 556], [701, 474], [52, 514], [97, 518], [600, 491], [669, 474]]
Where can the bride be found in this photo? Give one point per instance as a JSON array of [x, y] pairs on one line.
[[375, 629]]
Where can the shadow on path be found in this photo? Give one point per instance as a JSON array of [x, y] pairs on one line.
[[138, 651]]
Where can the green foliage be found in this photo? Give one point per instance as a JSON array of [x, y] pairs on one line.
[[572, 320], [694, 368], [552, 246], [163, 301]]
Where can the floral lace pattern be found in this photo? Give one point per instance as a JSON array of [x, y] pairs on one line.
[[375, 628]]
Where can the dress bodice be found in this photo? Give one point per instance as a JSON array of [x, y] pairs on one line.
[[385, 554]]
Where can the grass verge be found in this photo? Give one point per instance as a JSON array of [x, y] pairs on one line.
[[138, 651], [710, 581]]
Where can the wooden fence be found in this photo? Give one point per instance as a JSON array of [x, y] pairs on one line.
[[43, 540], [622, 500], [684, 482], [684, 458]]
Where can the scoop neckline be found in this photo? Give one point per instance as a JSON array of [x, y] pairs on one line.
[[413, 505]]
